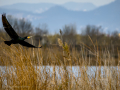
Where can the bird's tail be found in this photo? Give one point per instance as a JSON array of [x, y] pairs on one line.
[[7, 42]]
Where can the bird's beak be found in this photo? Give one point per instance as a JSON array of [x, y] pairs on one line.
[[29, 36]]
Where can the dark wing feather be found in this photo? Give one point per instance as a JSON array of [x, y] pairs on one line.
[[27, 44], [8, 28]]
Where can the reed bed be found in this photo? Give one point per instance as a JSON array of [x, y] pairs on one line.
[[30, 69]]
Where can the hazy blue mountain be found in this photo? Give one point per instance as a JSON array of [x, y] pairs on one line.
[[79, 6], [31, 7], [107, 16], [41, 7], [56, 17]]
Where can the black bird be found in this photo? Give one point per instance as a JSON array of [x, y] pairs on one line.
[[15, 38]]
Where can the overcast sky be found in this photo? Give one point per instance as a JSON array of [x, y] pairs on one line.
[[95, 2]]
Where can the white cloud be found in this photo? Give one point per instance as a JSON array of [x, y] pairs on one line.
[[40, 10], [85, 10], [117, 29], [96, 2]]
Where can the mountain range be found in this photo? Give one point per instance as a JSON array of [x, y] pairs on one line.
[[56, 16], [41, 7]]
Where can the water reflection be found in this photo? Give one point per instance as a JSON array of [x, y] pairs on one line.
[[74, 70]]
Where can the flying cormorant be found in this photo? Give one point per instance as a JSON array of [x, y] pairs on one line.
[[15, 39]]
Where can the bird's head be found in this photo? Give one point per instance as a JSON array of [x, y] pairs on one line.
[[29, 37]]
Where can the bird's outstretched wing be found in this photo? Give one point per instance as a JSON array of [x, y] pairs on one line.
[[27, 44], [8, 28]]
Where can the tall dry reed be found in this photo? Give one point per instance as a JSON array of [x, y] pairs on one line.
[[52, 68]]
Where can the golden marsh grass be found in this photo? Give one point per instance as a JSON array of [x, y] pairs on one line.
[[26, 68]]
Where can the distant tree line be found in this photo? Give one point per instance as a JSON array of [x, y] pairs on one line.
[[90, 34]]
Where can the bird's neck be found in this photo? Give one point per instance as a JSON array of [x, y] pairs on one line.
[[25, 38], [20, 38]]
